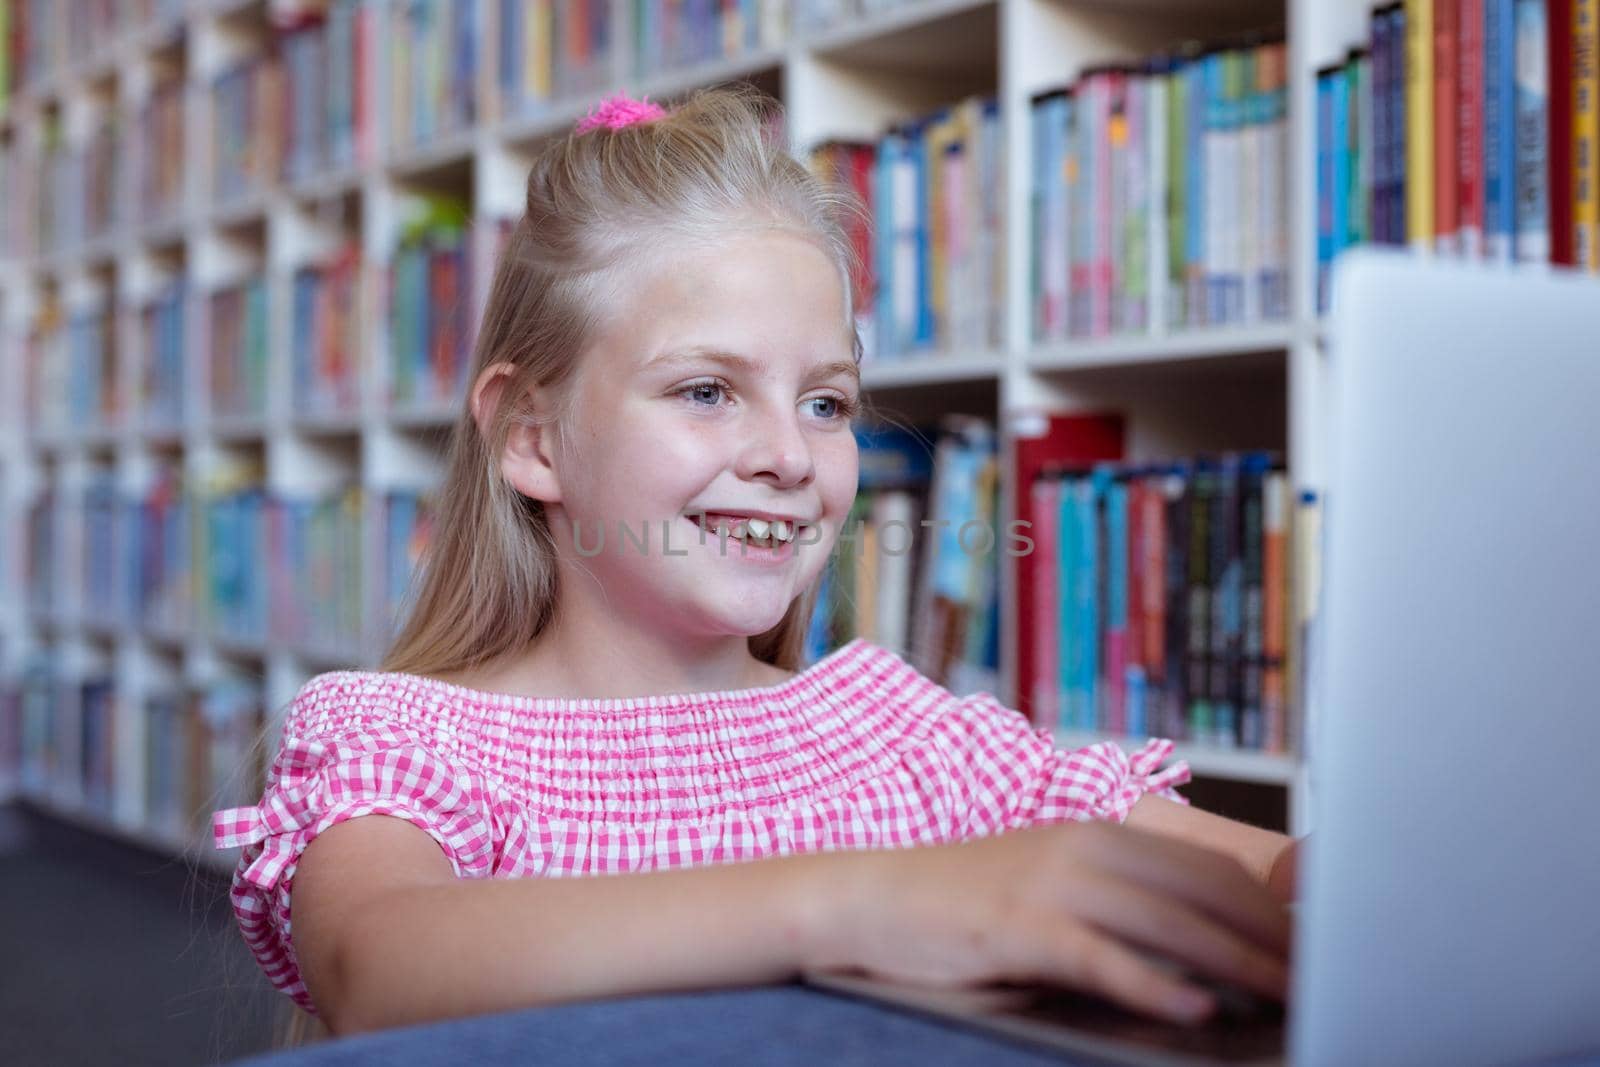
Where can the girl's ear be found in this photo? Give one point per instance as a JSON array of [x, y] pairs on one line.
[[527, 460]]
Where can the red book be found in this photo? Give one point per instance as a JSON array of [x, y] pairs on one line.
[[862, 158], [1039, 438], [1558, 152], [1446, 118], [1469, 83]]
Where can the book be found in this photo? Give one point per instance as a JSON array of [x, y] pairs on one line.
[[1470, 120], [1039, 439], [1532, 241], [1499, 129], [1421, 149], [1585, 136], [1558, 145], [1446, 125]]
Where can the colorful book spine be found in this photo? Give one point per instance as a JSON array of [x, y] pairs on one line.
[[434, 48], [1087, 501], [1046, 711], [1080, 236], [1049, 255], [1585, 136], [238, 351], [1106, 92], [1157, 86], [325, 327], [1385, 71], [1178, 163], [1216, 144], [1199, 180], [1446, 125], [1499, 129], [1532, 242], [1275, 611], [1200, 589], [1420, 117], [1116, 568], [1272, 67], [1470, 146], [1070, 656], [1558, 145], [1329, 89]]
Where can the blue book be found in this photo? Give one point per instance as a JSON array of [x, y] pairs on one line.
[[892, 457], [923, 166], [1215, 127], [510, 79], [1326, 88], [1397, 125], [1378, 30], [1339, 159], [1070, 652], [1499, 136], [1049, 126], [1116, 607], [1532, 239]]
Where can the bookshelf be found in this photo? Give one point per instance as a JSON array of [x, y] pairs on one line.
[[202, 242]]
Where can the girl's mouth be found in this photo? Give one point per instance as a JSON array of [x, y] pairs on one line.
[[754, 535]]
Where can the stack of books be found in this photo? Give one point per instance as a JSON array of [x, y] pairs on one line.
[[1464, 128], [1160, 196]]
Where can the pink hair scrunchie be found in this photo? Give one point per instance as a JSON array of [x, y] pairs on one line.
[[618, 111]]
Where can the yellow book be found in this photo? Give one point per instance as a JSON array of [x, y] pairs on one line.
[[936, 139], [867, 583], [1585, 136], [1419, 123], [537, 43]]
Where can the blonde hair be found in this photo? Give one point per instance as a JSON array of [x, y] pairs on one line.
[[598, 205]]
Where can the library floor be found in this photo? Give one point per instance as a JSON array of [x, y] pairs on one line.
[[115, 955]]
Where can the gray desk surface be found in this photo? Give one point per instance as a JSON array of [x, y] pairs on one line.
[[779, 1026], [773, 1026]]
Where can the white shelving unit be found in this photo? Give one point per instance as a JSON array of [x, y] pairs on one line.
[[1260, 386]]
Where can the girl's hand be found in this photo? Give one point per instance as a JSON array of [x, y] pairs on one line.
[[1069, 903], [1284, 878]]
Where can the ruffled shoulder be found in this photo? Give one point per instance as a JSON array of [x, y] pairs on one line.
[[316, 782], [321, 780], [1007, 774]]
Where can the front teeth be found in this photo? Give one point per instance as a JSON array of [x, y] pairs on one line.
[[758, 531]]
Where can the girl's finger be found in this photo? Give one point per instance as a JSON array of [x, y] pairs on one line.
[[1206, 880], [1171, 927], [1075, 955]]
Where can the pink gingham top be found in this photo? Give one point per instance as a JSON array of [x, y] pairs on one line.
[[858, 750]]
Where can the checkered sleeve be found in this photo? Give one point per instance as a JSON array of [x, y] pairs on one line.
[[1007, 774], [317, 783]]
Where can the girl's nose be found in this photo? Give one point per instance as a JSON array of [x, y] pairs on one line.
[[776, 450]]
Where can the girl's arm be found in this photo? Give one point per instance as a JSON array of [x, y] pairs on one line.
[[385, 935], [1269, 856]]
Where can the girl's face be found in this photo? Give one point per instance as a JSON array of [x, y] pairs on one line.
[[723, 383]]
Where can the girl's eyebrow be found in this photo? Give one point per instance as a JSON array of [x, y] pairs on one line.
[[845, 367]]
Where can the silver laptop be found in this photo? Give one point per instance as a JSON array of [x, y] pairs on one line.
[[1450, 894]]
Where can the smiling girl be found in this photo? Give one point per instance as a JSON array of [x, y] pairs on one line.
[[585, 772]]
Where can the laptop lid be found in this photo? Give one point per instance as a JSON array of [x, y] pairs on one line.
[[1451, 890]]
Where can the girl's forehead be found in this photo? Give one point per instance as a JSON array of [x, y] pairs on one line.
[[766, 308]]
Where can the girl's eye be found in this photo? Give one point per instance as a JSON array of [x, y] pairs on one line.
[[699, 390], [843, 407]]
